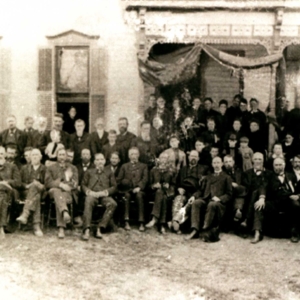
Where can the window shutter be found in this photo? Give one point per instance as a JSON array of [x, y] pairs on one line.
[[97, 84], [45, 85], [45, 69], [5, 84]]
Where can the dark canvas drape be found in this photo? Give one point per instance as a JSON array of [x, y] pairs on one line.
[[181, 65]]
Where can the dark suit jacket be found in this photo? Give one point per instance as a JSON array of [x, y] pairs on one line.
[[77, 145], [124, 142], [236, 176], [253, 182], [116, 171], [55, 175], [137, 174], [219, 186], [26, 174], [97, 143], [64, 139], [11, 174], [106, 179], [81, 172], [30, 137], [21, 140]]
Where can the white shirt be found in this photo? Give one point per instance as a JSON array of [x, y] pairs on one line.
[[100, 133]]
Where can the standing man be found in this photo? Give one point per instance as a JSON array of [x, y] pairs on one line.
[[33, 188], [135, 175], [98, 185], [234, 111], [212, 199], [99, 137], [29, 131], [162, 112], [151, 106], [124, 139], [58, 122], [9, 179], [146, 144], [79, 140], [14, 136], [62, 182], [111, 146]]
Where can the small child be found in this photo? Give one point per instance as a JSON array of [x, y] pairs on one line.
[[53, 147], [246, 152]]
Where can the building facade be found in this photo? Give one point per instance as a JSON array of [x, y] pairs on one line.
[[100, 42]]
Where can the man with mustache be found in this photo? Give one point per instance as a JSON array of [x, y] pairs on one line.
[[188, 182], [124, 139], [255, 181], [212, 199], [98, 185], [162, 183], [33, 188], [62, 182], [9, 179], [135, 174]]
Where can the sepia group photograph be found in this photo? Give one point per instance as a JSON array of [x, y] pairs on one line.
[[150, 149]]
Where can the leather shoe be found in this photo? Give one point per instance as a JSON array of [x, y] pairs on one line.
[[37, 230], [61, 232], [127, 226], [257, 237], [66, 217], [295, 239], [191, 235], [86, 234], [142, 228], [151, 223], [175, 226], [98, 234]]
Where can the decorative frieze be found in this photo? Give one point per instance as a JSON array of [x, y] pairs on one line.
[[289, 31], [219, 30], [241, 30], [263, 30]]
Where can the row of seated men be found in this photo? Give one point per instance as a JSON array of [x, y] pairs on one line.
[[255, 198]]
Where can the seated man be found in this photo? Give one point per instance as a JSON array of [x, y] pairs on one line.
[[239, 191], [27, 155], [62, 181], [115, 164], [33, 177], [98, 185], [255, 181], [86, 164], [188, 182], [11, 156], [162, 182], [9, 179], [135, 175], [177, 157], [211, 200]]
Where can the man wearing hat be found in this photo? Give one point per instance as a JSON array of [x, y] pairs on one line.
[[211, 200], [132, 180], [188, 182], [98, 184]]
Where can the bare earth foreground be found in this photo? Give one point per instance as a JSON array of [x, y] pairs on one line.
[[147, 266]]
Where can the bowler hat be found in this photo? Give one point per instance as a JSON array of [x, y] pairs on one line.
[[125, 186]]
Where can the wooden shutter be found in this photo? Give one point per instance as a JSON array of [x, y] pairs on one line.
[[45, 84], [45, 69], [98, 81], [5, 84]]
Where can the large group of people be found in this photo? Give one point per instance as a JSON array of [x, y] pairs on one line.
[[191, 169]]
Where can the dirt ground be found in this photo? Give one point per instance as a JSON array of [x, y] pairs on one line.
[[147, 265]]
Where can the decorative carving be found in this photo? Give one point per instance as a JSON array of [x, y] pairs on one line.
[[241, 30], [219, 30], [289, 30], [284, 42], [263, 30]]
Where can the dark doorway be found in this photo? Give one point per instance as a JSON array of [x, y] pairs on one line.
[[81, 108]]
